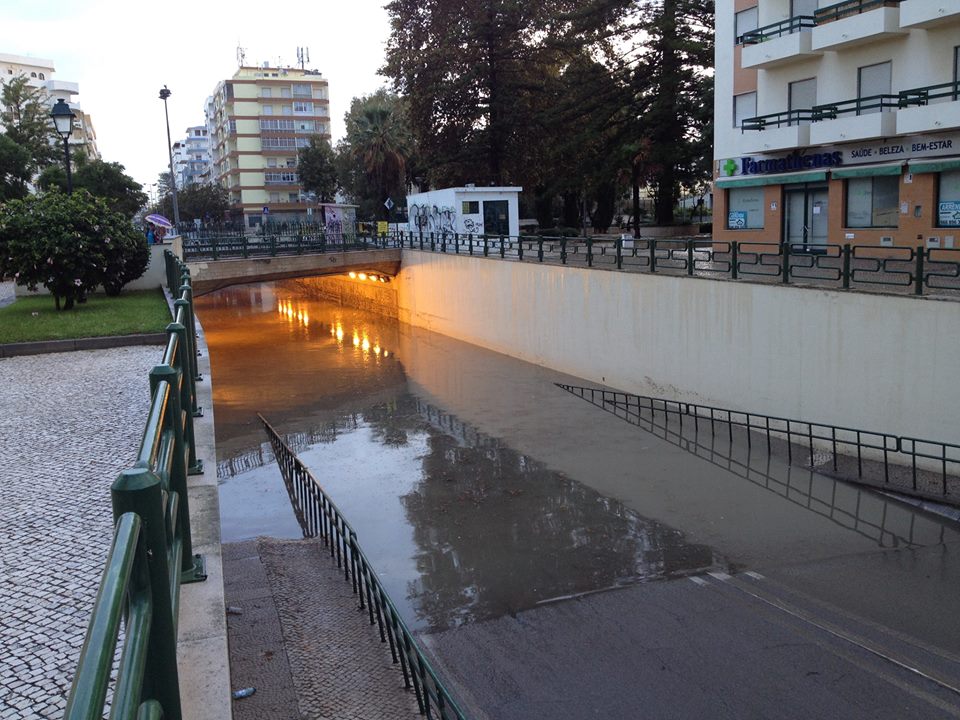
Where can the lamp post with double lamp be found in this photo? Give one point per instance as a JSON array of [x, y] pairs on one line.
[[63, 122], [164, 94]]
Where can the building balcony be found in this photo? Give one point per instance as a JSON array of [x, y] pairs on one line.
[[929, 109], [928, 13], [855, 22], [779, 131], [779, 43], [858, 119]]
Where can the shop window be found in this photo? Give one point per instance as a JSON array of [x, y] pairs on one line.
[[873, 202], [745, 208], [948, 200], [744, 106], [745, 21]]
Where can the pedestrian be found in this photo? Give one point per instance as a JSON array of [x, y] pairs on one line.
[[150, 236]]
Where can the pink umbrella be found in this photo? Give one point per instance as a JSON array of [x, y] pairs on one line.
[[159, 221]]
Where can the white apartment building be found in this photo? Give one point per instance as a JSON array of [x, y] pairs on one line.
[[838, 122], [192, 162], [259, 120], [39, 74]]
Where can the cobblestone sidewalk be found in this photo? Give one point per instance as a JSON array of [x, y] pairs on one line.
[[339, 668], [69, 423]]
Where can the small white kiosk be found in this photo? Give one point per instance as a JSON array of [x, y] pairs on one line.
[[465, 210]]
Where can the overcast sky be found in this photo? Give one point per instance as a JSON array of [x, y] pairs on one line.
[[122, 52]]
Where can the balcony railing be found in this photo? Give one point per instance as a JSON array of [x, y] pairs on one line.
[[849, 8], [924, 95], [858, 106], [790, 117], [778, 29]]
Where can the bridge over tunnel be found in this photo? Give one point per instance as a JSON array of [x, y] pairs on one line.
[[211, 275]]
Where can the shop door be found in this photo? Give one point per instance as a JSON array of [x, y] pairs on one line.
[[805, 219], [495, 220]]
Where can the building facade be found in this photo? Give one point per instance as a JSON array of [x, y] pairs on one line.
[[39, 74], [838, 122], [259, 120], [192, 162]]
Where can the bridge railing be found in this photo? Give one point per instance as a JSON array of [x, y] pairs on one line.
[[319, 517], [230, 246], [152, 551], [917, 270], [924, 468]]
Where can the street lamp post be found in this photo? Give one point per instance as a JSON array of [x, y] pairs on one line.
[[164, 94], [63, 121]]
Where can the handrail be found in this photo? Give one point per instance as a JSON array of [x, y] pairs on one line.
[[789, 26], [808, 437], [847, 8], [788, 117], [320, 517], [152, 551], [858, 106], [923, 95]]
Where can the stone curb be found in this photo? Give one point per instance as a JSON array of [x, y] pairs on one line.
[[93, 343]]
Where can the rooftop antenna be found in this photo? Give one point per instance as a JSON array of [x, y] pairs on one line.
[[241, 55], [303, 57]]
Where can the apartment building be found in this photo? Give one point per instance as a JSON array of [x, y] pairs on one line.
[[39, 74], [838, 122], [259, 119], [192, 162]]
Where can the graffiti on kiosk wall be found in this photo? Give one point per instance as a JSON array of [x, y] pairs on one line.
[[334, 226], [431, 218]]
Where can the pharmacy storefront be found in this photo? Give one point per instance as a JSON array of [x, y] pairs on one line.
[[897, 193]]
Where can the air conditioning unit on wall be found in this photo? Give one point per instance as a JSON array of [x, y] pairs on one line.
[[886, 241]]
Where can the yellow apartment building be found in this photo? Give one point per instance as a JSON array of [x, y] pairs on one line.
[[258, 121]]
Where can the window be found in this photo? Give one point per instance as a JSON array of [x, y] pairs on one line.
[[301, 90], [803, 8], [873, 201], [745, 21], [266, 92], [471, 207], [276, 124], [33, 74], [271, 162], [233, 126], [267, 110], [873, 80], [308, 126], [745, 208], [274, 197], [285, 92], [42, 77], [744, 106], [293, 197], [287, 110], [956, 73], [803, 96], [281, 178], [302, 108], [948, 200], [291, 162]]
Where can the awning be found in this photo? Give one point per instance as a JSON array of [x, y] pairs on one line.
[[867, 171], [782, 179], [934, 166]]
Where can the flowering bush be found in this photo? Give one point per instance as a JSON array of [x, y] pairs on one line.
[[69, 244]]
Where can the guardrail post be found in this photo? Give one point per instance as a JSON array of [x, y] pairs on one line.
[[918, 289], [653, 254], [589, 252], [181, 359], [619, 253], [690, 256], [519, 248], [456, 243], [443, 242], [539, 249], [486, 246], [846, 265], [191, 566], [421, 239], [470, 242], [433, 243], [734, 259], [503, 250], [139, 491], [785, 261], [563, 250]]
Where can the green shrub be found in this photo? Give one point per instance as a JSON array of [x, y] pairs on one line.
[[68, 244]]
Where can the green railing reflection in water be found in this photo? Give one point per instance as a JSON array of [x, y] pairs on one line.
[[152, 551], [319, 517]]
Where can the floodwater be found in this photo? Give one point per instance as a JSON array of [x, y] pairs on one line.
[[479, 489]]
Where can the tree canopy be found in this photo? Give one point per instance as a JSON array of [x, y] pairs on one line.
[[106, 180], [201, 201], [316, 164], [26, 120], [15, 165]]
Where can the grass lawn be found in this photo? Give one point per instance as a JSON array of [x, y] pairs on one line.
[[36, 317]]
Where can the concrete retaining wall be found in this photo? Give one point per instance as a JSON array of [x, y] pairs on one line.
[[875, 362], [375, 297]]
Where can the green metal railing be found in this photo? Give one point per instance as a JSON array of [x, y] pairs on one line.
[[319, 517], [849, 8], [856, 106], [923, 95], [777, 29], [152, 551], [788, 117]]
